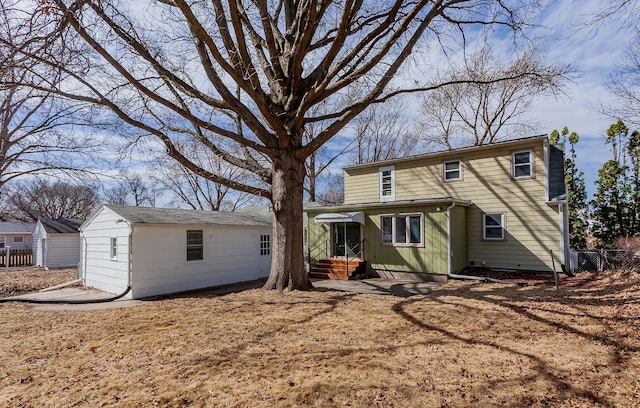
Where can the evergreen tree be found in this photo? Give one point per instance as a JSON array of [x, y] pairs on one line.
[[576, 190], [617, 200]]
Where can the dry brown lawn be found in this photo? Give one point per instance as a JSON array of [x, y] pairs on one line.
[[465, 344]]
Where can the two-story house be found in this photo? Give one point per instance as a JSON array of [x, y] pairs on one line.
[[500, 206]]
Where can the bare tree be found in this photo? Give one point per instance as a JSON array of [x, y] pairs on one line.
[[333, 191], [383, 132], [35, 199], [169, 69], [38, 129], [189, 189], [131, 189], [475, 109]]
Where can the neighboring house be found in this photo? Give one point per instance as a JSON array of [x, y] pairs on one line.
[[158, 251], [500, 206], [16, 234], [56, 243]]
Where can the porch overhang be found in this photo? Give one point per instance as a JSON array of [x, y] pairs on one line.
[[357, 216]]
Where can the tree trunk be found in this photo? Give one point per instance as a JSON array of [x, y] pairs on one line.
[[287, 264]]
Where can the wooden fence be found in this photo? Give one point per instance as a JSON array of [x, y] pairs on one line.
[[18, 257]]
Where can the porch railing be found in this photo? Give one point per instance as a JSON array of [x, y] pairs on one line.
[[357, 250], [322, 247]]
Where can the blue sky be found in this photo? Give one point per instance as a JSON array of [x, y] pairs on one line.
[[594, 54]]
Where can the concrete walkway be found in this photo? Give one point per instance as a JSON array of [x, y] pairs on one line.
[[387, 287]]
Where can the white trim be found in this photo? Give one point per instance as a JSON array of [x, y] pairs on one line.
[[392, 194], [328, 218], [503, 218], [530, 164], [200, 245], [445, 171], [407, 230], [113, 248]]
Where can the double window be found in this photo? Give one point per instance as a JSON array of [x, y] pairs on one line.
[[387, 183], [404, 229], [522, 164], [493, 226], [195, 247], [265, 244], [452, 170]]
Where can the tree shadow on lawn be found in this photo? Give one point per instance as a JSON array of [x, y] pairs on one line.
[[508, 297]]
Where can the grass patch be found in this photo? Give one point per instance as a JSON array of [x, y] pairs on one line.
[[464, 344]]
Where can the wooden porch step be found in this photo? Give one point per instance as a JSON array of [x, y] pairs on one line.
[[335, 268]]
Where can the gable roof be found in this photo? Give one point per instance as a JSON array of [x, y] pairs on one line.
[[60, 225], [178, 216], [452, 152], [16, 227]]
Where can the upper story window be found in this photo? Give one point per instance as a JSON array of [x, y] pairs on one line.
[[387, 183], [522, 164], [195, 247], [493, 226], [402, 230], [452, 170], [265, 244]]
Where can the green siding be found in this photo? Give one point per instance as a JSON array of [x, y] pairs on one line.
[[431, 257]]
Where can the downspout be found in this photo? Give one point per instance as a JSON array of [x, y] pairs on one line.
[[450, 273]]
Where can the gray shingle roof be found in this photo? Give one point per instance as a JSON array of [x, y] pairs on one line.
[[60, 225], [173, 216], [17, 227]]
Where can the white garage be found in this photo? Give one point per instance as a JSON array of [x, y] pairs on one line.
[[158, 251], [56, 243]]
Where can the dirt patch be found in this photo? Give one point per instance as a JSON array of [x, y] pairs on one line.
[[464, 344], [30, 279]]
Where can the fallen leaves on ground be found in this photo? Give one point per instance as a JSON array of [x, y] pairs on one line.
[[464, 344]]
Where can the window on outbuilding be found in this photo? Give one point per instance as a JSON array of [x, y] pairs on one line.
[[452, 170], [402, 230], [18, 239], [113, 248], [195, 246], [522, 164], [1, 242], [493, 226], [265, 244], [387, 183]]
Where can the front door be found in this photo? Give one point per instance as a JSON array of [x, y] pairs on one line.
[[346, 239]]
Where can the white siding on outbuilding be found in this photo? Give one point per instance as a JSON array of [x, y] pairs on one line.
[[152, 249], [56, 243]]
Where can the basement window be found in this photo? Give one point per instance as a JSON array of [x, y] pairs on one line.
[[195, 246]]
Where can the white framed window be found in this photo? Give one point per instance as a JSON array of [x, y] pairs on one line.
[[387, 183], [402, 229], [113, 248], [452, 170], [265, 244], [18, 239], [522, 164], [493, 225], [195, 245]]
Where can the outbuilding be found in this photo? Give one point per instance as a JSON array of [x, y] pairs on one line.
[[56, 243], [157, 251]]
